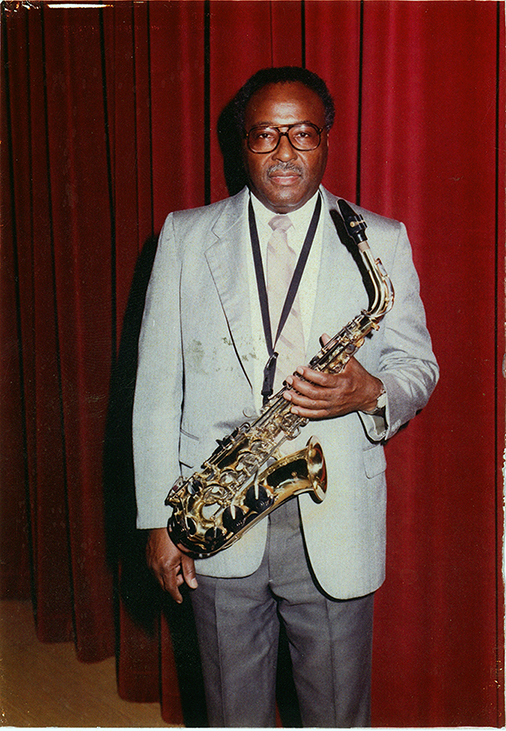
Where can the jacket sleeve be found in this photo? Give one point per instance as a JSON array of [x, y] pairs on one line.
[[159, 386], [407, 365]]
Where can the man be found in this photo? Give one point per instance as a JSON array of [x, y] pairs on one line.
[[202, 352]]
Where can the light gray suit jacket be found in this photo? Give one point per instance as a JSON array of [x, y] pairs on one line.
[[194, 383]]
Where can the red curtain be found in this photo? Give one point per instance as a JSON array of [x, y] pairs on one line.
[[109, 119]]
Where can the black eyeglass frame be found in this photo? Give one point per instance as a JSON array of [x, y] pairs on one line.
[[288, 127]]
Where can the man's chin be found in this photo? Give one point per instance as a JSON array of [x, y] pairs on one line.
[[283, 198]]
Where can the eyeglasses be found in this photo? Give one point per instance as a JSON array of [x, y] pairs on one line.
[[303, 136]]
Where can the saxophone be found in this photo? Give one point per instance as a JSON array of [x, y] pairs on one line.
[[246, 477]]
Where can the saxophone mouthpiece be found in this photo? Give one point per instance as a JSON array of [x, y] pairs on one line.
[[354, 223]]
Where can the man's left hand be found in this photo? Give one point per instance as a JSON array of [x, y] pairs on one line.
[[324, 395]]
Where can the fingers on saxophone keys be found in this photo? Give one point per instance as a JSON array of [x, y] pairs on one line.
[[297, 379], [293, 388], [310, 411], [301, 385], [305, 405], [289, 395], [317, 378]]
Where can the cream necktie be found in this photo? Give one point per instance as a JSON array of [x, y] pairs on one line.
[[281, 262]]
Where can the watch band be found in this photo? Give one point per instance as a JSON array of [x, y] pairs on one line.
[[381, 403]]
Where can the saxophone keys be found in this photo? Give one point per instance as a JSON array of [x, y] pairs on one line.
[[233, 518], [257, 498], [194, 485], [214, 539]]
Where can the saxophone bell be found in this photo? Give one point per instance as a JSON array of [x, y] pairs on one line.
[[204, 523]]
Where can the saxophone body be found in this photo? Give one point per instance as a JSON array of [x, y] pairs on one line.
[[247, 477]]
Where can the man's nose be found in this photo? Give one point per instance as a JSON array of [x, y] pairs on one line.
[[284, 150]]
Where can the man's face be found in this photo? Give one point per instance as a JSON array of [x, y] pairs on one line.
[[286, 178]]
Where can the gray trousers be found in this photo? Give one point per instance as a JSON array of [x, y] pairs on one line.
[[238, 630]]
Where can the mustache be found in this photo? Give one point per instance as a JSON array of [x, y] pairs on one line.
[[284, 167]]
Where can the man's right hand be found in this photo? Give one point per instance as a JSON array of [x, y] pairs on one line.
[[171, 566]]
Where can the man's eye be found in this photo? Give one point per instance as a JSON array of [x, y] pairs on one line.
[[264, 135], [305, 134]]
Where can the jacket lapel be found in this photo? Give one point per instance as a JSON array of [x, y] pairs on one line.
[[227, 260]]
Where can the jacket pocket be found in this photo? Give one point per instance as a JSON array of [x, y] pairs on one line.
[[188, 448], [374, 461]]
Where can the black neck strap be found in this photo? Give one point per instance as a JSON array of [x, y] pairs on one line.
[[270, 368]]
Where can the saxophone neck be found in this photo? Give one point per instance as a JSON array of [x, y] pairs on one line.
[[382, 291], [382, 294]]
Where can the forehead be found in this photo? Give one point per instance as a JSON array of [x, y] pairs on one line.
[[284, 103]]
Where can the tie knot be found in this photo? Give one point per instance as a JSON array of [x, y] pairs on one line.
[[280, 223]]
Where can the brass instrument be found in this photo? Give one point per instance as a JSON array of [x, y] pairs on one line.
[[246, 477]]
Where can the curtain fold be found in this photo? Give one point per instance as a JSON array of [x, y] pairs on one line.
[[114, 116]]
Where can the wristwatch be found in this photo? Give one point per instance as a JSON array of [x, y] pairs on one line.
[[381, 402]]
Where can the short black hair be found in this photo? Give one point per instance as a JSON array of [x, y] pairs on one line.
[[281, 75]]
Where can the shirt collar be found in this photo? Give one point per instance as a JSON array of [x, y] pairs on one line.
[[300, 218]]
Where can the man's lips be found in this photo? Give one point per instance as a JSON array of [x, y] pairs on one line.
[[288, 177]]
